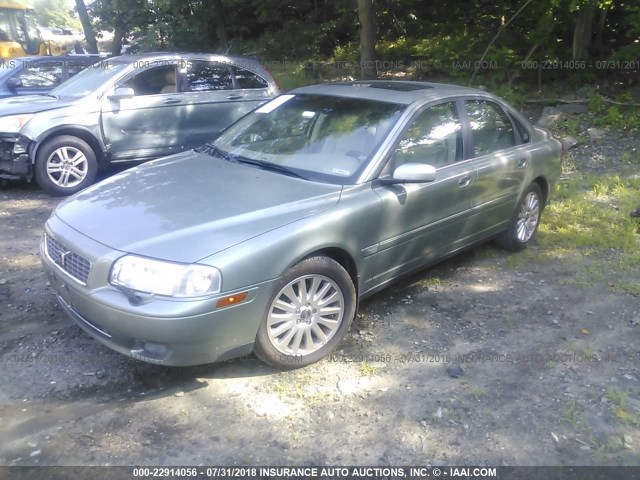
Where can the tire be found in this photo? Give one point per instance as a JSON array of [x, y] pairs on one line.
[[525, 220], [297, 334], [65, 165]]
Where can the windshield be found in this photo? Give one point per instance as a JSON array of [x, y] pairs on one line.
[[90, 79], [323, 138]]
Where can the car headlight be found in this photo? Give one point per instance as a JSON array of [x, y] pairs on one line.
[[14, 123], [165, 278]]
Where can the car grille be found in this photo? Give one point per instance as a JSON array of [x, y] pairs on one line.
[[75, 265]]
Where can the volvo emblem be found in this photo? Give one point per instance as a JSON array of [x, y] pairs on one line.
[[63, 258]]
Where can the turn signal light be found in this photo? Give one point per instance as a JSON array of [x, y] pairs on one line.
[[231, 300]]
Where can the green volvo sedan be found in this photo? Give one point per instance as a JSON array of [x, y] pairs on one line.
[[266, 239]]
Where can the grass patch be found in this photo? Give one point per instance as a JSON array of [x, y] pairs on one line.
[[477, 393], [589, 219], [431, 282], [588, 222], [592, 214], [571, 414], [630, 288], [368, 369], [619, 409]]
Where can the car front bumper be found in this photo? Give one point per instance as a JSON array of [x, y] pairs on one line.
[[14, 156], [161, 330]]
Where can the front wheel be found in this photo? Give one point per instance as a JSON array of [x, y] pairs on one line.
[[309, 313], [65, 165], [525, 220]]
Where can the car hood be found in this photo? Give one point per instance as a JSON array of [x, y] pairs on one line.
[[30, 104], [188, 206]]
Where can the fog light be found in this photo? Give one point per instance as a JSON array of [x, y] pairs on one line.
[[231, 300]]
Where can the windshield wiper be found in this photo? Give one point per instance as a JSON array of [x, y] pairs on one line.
[[211, 149], [274, 167]]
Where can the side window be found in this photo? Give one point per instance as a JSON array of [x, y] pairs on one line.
[[491, 127], [433, 138], [42, 75], [153, 81], [208, 76], [247, 79]]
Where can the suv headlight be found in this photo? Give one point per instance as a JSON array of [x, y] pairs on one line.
[[165, 278], [14, 123]]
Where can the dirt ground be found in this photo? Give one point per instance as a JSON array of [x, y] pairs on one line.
[[491, 358]]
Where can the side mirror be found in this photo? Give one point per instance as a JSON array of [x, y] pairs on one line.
[[13, 83], [414, 173], [122, 92]]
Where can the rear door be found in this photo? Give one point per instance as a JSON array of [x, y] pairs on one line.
[[501, 157], [218, 94], [422, 221]]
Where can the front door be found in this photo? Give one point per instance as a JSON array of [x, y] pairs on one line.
[[148, 125], [421, 221]]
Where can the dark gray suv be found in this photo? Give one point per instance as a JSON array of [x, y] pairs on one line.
[[123, 109]]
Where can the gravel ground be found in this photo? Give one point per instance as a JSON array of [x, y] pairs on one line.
[[489, 358]]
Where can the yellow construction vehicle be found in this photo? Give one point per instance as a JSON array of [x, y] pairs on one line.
[[19, 34]]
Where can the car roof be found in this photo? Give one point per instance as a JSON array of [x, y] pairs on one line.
[[186, 56], [393, 91]]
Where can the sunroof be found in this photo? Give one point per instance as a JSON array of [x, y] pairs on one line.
[[397, 86]]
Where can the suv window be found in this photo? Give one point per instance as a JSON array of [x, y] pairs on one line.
[[434, 138], [153, 81], [491, 127], [205, 76], [41, 75], [246, 79]]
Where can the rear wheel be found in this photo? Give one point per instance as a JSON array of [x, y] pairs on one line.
[[309, 313], [525, 220], [65, 165]]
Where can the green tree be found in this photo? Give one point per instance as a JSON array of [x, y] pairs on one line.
[[368, 68], [87, 27], [122, 17], [56, 13]]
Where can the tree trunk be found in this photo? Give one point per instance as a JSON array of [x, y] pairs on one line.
[[582, 31], [118, 36], [599, 44], [89, 34], [221, 30], [368, 68]]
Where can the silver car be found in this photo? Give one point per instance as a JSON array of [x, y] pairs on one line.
[[124, 109], [266, 239]]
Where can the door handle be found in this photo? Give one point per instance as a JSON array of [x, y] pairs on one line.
[[171, 101], [464, 181], [234, 97], [523, 163]]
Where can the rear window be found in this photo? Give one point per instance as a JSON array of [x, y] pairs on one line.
[[491, 127], [246, 79]]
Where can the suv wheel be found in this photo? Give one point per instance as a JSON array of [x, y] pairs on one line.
[[65, 165]]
